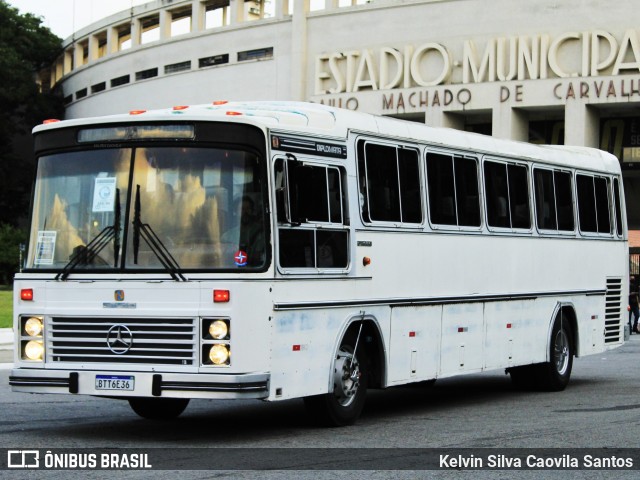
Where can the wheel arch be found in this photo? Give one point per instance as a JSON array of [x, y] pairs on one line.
[[371, 339], [565, 310]]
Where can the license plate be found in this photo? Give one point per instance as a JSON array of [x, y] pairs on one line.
[[115, 382]]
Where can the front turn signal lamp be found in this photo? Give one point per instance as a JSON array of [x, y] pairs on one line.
[[219, 354]]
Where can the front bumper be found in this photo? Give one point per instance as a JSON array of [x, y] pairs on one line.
[[147, 384]]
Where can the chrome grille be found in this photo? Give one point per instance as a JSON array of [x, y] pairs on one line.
[[613, 307], [170, 341]]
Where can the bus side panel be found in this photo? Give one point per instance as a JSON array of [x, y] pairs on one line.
[[462, 338], [304, 344], [414, 345]]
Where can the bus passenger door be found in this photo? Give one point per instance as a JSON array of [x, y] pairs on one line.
[[415, 343]]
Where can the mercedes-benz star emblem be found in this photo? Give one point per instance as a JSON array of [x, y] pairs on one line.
[[119, 339]]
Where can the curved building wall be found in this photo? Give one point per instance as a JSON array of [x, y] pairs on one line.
[[533, 70]]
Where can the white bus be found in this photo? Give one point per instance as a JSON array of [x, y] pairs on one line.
[[277, 250]]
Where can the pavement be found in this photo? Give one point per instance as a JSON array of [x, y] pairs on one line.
[[6, 347]]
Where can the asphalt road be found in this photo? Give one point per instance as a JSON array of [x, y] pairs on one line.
[[600, 408]]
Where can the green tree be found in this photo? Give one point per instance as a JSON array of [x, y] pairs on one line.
[[26, 48], [10, 240]]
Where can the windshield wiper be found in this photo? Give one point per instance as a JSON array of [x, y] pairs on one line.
[[86, 254], [144, 231]]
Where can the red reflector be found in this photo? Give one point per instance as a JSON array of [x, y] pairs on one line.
[[26, 294], [136, 112], [508, 325], [412, 334], [181, 107], [233, 114], [366, 261], [296, 348], [221, 296], [50, 120], [461, 329]]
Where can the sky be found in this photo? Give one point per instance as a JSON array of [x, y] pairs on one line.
[[63, 17]]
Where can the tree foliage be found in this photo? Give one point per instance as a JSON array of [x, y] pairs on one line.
[[11, 239], [26, 47]]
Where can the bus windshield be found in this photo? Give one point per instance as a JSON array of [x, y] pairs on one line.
[[134, 208]]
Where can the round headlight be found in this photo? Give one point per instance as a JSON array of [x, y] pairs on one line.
[[33, 326], [34, 350], [218, 329], [219, 354]]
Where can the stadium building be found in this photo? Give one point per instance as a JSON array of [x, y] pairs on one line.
[[543, 71]]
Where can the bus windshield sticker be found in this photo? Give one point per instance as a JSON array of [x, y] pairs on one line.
[[45, 247], [240, 258], [104, 194]]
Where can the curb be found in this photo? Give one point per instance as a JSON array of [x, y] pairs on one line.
[[6, 338]]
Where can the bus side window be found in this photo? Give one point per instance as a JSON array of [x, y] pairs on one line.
[[507, 192], [545, 199], [593, 204], [311, 215], [497, 194], [389, 181], [616, 199], [564, 201], [453, 190]]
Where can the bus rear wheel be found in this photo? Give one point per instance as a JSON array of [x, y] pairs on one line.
[[554, 375], [344, 404], [158, 408]]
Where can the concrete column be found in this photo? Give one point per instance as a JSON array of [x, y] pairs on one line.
[[332, 4], [78, 55], [237, 12], [112, 40], [581, 125], [135, 32], [452, 120], [165, 24], [434, 117], [93, 48], [197, 16], [68, 61], [282, 8], [510, 123], [299, 50]]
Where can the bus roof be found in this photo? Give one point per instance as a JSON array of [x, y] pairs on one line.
[[317, 119]]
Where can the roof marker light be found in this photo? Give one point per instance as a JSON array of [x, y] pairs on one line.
[[220, 102], [232, 113], [136, 112], [50, 120], [181, 107]]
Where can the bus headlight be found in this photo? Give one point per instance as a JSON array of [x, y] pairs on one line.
[[219, 354], [34, 350], [33, 326], [218, 329]]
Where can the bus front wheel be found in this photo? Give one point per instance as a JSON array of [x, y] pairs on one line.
[[158, 408], [344, 404]]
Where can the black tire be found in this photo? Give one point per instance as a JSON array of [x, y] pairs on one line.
[[158, 408], [554, 375], [344, 404]]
